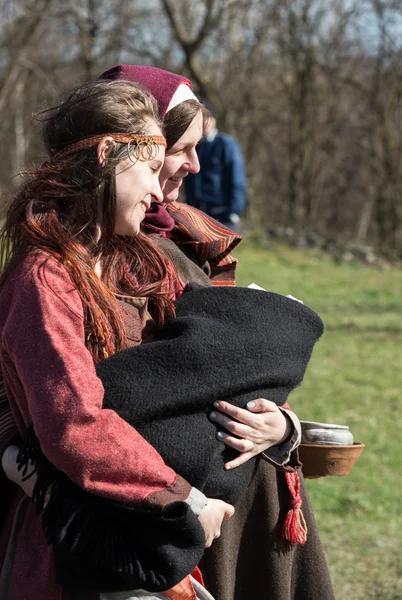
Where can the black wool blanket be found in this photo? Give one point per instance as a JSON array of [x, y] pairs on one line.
[[234, 344]]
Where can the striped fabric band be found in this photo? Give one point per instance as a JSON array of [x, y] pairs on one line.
[[134, 139], [8, 427], [208, 239]]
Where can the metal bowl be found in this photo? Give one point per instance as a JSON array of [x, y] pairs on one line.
[[325, 433]]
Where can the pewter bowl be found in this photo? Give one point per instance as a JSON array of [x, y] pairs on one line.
[[325, 433]]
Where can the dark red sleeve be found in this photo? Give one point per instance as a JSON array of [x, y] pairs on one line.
[[52, 378]]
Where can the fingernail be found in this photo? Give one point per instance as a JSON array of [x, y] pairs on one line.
[[228, 467], [220, 435], [212, 415], [251, 404], [216, 404]]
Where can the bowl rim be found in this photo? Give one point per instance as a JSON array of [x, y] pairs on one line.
[[332, 446], [317, 425]]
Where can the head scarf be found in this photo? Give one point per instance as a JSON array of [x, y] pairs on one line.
[[168, 89]]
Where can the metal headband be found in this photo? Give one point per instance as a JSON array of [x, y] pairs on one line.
[[140, 147]]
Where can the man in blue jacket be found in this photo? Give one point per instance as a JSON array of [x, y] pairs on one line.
[[219, 189]]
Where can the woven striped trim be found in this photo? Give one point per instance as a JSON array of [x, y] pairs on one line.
[[209, 239], [2, 389], [123, 138], [8, 426]]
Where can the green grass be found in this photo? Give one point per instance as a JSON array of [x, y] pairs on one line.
[[354, 378]]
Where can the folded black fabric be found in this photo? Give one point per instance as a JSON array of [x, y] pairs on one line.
[[234, 344], [109, 546], [227, 343]]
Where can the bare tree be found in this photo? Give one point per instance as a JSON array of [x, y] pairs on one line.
[[311, 89], [190, 34]]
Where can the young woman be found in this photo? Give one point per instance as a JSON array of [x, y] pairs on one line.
[[201, 247], [250, 559], [74, 265]]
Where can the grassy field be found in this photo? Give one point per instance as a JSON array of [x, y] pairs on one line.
[[354, 378]]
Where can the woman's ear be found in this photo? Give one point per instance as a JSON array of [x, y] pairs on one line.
[[105, 146]]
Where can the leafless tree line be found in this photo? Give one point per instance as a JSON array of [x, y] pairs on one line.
[[311, 88]]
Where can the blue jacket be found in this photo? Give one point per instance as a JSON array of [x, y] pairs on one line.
[[219, 189]]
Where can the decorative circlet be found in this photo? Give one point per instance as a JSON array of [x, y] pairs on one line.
[[141, 147]]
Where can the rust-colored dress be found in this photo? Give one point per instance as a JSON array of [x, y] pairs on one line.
[[50, 379]]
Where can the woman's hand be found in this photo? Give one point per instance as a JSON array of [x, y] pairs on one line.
[[259, 427], [211, 518]]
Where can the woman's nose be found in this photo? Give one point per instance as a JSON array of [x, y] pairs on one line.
[[194, 163], [157, 192]]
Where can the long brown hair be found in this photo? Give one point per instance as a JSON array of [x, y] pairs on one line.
[[66, 208]]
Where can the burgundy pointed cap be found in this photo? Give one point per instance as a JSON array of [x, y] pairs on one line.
[[161, 84]]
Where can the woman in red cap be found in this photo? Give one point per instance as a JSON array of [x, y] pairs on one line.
[[250, 559]]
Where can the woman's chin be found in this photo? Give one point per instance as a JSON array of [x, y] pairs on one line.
[[170, 195], [129, 231]]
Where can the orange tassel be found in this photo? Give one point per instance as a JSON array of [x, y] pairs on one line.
[[294, 528]]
